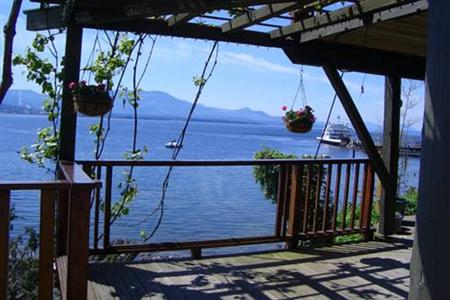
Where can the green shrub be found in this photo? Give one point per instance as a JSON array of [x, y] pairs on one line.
[[411, 196]]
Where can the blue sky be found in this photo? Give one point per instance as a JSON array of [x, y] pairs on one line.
[[246, 76]]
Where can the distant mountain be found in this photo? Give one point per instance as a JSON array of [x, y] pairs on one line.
[[154, 104], [160, 104]]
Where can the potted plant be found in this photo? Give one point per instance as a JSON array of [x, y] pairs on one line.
[[90, 100], [299, 121]]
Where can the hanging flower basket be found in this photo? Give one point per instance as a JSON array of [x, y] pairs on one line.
[[299, 121], [91, 100]]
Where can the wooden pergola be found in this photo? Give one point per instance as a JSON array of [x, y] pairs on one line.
[[383, 37]]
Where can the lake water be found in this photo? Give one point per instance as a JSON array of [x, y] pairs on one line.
[[202, 202]]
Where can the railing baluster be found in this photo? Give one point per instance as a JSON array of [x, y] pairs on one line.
[[4, 242], [316, 203], [307, 199], [287, 197], [364, 189], [46, 244], [336, 196], [346, 193], [327, 198], [107, 212], [281, 199], [97, 207], [355, 195], [296, 201]]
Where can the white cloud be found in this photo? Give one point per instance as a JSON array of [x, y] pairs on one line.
[[256, 63]]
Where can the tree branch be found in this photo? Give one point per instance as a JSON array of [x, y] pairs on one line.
[[9, 31]]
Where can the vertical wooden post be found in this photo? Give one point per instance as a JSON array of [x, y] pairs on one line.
[[391, 139], [62, 208], [78, 243], [4, 242], [295, 204], [46, 244], [281, 200], [430, 263], [72, 61]]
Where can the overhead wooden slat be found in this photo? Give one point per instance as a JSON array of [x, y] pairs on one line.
[[261, 14], [180, 19], [353, 12], [378, 17]]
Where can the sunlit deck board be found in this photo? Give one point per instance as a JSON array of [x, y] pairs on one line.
[[373, 270]]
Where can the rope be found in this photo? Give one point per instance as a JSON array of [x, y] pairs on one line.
[[204, 79], [327, 121], [300, 88]]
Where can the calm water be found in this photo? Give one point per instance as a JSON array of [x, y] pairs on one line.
[[202, 202]]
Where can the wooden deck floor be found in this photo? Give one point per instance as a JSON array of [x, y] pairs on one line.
[[373, 270]]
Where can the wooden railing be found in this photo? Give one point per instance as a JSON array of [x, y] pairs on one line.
[[305, 209], [64, 214]]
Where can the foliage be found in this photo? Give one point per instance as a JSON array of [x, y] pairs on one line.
[[267, 176], [411, 197], [23, 264], [48, 76], [303, 119]]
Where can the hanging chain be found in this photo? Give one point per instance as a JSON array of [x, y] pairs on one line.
[[300, 89]]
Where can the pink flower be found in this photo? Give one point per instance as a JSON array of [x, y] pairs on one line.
[[72, 85], [284, 107]]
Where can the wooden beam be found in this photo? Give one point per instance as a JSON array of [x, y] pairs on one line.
[[261, 14], [379, 10], [391, 137], [430, 263], [5, 206], [68, 125], [190, 30], [352, 58], [180, 19], [358, 123], [42, 19]]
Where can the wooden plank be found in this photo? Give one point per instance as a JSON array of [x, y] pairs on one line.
[[297, 198], [78, 243], [373, 18], [62, 225], [355, 196], [107, 208], [61, 268], [74, 41], [4, 242], [349, 17], [287, 198], [281, 200], [390, 152], [358, 123], [180, 19], [307, 198], [368, 199], [97, 200], [75, 174], [218, 163], [10, 185], [356, 58], [316, 202], [261, 14], [169, 246], [46, 244], [346, 193], [327, 198], [337, 188]]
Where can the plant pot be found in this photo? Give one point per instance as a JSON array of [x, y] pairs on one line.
[[92, 105], [298, 126]]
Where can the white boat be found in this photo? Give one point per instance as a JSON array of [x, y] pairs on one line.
[[339, 134], [173, 144]]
